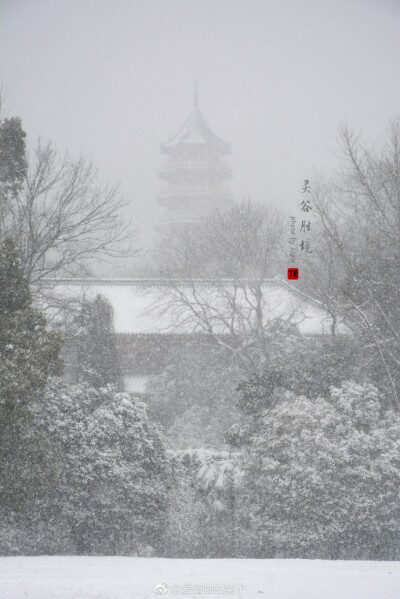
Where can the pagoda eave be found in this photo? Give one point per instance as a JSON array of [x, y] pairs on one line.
[[220, 148], [168, 198], [202, 172]]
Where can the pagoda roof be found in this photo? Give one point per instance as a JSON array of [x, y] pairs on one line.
[[195, 132]]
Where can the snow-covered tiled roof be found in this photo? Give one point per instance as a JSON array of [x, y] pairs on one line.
[[148, 307]]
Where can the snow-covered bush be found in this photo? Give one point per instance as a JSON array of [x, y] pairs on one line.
[[302, 365], [323, 478], [112, 489]]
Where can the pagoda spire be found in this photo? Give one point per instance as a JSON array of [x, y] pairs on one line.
[[196, 98]]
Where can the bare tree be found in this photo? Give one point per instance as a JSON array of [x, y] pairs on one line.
[[215, 274], [59, 215], [323, 270], [359, 219]]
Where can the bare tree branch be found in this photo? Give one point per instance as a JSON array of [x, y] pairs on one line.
[[62, 218]]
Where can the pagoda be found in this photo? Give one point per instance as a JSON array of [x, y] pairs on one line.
[[194, 171]]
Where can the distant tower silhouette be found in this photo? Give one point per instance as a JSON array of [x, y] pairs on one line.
[[194, 171]]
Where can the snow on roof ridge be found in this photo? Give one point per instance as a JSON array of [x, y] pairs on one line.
[[155, 281]]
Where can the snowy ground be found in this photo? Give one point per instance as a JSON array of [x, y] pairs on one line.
[[136, 578]]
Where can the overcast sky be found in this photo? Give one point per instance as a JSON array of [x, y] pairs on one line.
[[113, 78]]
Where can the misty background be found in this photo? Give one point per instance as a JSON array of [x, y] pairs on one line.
[[111, 80]]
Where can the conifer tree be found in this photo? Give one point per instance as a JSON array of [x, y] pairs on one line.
[[13, 163], [92, 348], [29, 354]]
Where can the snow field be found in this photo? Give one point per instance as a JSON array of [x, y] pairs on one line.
[[136, 578]]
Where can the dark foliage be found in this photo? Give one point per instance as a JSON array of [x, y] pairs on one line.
[[28, 356], [91, 351]]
